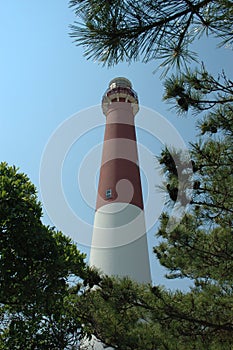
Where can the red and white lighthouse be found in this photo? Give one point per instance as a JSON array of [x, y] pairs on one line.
[[119, 242]]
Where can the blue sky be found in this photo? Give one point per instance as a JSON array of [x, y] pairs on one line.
[[45, 79]]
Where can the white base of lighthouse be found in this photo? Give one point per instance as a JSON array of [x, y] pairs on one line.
[[119, 242]]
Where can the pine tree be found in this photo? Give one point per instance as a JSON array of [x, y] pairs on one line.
[[125, 30]]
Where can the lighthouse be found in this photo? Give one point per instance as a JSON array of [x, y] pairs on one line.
[[119, 242]]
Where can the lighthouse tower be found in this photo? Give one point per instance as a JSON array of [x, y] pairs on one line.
[[119, 242]]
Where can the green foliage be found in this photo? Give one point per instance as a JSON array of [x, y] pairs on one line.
[[178, 168], [129, 316], [201, 246], [113, 31], [36, 265], [115, 317], [200, 91]]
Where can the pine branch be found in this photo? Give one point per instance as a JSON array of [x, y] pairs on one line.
[[124, 31]]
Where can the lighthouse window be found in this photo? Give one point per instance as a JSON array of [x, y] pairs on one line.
[[108, 193]]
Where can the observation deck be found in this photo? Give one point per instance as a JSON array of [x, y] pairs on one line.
[[120, 90]]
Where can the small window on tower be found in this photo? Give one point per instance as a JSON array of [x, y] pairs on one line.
[[108, 193]]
